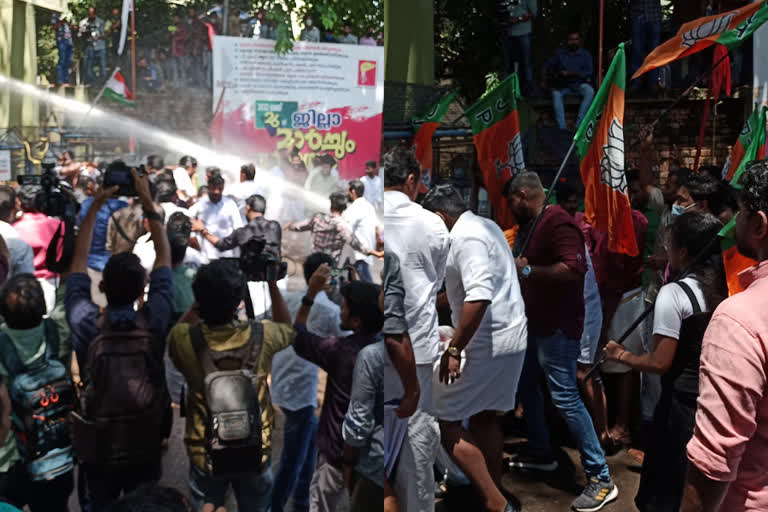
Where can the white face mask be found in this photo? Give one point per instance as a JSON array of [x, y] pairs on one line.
[[678, 210]]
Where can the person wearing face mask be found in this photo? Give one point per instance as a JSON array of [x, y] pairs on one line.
[[422, 240], [569, 72], [681, 315], [310, 33], [729, 446]]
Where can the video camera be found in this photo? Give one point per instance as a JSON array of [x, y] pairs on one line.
[[260, 265], [56, 199]]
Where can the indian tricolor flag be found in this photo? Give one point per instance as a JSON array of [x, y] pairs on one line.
[[733, 261], [730, 29], [749, 146], [116, 90], [600, 146], [425, 127], [496, 129]]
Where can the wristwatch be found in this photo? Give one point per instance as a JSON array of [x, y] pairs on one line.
[[526, 271], [453, 352]]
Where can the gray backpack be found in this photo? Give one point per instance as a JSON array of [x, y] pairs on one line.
[[233, 423]]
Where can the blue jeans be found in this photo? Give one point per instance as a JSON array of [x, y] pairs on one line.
[[90, 56], [646, 35], [518, 49], [253, 491], [363, 270], [297, 462], [556, 356], [584, 90], [65, 62]]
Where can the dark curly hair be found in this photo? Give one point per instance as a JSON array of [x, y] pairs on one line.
[[754, 187], [399, 163], [218, 290]]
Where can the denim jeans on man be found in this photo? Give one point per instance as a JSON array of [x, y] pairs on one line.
[[556, 356], [90, 55], [65, 61], [253, 491], [584, 90], [646, 35], [363, 270], [518, 49], [297, 461]]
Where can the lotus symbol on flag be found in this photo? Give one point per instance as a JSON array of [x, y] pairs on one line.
[[716, 26], [612, 162], [515, 160]]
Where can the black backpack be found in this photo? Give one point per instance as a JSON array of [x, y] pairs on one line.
[[233, 423], [42, 397], [124, 412]]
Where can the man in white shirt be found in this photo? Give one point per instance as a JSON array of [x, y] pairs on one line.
[[165, 195], [311, 34], [364, 223], [488, 314], [185, 176], [374, 192], [220, 217], [22, 256], [422, 242], [294, 390], [245, 188]]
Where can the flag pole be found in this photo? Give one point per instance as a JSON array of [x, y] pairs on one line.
[[96, 100], [546, 199], [133, 46], [648, 310]]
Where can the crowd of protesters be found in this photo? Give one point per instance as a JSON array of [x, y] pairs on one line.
[[182, 57], [499, 320], [149, 312]]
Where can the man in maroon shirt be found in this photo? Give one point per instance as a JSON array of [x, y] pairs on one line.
[[551, 271]]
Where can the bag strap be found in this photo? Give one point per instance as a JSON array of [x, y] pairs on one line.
[[255, 341], [51, 339], [9, 356], [201, 349], [691, 296]]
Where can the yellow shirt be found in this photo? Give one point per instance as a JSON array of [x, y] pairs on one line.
[[221, 338]]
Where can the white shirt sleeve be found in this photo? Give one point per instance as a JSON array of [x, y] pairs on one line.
[[672, 307], [183, 182], [234, 214], [476, 277]]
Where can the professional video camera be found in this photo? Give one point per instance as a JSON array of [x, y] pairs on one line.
[[119, 173], [260, 265], [55, 199]]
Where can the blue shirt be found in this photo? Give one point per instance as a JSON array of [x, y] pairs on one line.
[[579, 61], [83, 314], [98, 255]]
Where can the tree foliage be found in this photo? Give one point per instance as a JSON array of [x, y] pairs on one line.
[[468, 43], [154, 16]]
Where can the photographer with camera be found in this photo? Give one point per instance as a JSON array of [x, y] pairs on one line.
[[209, 345], [37, 229], [124, 411], [92, 31]]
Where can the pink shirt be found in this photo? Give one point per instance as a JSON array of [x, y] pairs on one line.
[[730, 441], [37, 230]]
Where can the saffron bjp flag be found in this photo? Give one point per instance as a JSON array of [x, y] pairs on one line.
[[749, 146], [117, 90], [733, 261], [600, 147], [425, 127], [496, 128], [730, 29]]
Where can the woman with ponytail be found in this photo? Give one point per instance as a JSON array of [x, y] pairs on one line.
[[681, 314]]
